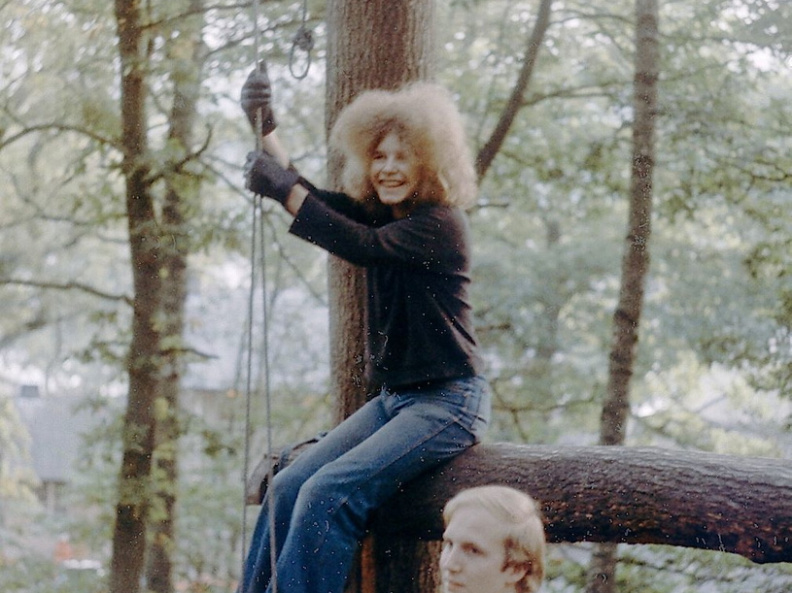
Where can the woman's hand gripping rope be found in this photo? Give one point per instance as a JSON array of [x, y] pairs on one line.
[[265, 176], [256, 100]]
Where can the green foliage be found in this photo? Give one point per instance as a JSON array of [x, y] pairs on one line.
[[26, 568], [714, 359], [714, 347], [41, 575], [674, 570], [17, 482]]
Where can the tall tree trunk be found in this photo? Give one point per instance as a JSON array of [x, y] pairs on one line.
[[374, 44], [181, 195], [378, 44], [159, 260], [635, 262], [129, 537]]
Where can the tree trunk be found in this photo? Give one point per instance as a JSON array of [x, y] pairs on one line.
[[129, 537], [159, 263], [181, 195], [371, 45], [635, 263], [406, 564], [632, 495]]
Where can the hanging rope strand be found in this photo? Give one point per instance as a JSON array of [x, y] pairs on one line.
[[268, 400], [258, 261], [258, 240], [257, 62], [303, 40], [249, 377], [256, 33]]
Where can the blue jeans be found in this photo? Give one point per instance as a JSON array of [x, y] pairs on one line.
[[322, 501]]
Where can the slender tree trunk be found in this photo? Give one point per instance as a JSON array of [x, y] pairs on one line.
[[374, 44], [491, 148], [181, 194], [635, 263], [159, 261], [129, 537], [542, 366]]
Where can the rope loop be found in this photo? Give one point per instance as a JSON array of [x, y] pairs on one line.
[[303, 40]]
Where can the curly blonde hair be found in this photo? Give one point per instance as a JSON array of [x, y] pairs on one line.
[[424, 116]]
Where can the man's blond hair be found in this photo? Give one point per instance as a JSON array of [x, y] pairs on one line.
[[518, 518], [424, 116]]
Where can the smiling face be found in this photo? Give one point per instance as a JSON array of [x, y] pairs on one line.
[[394, 173], [473, 559]]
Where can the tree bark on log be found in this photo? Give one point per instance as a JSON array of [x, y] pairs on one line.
[[619, 494]]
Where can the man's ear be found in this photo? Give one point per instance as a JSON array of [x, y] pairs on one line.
[[517, 572]]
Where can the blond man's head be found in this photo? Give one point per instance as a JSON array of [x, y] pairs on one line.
[[493, 542]]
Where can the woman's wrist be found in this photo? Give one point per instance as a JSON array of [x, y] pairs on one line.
[[295, 200]]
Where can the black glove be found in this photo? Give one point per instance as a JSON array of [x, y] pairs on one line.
[[265, 176], [256, 99]]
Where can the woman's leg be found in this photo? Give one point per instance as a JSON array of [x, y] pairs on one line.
[[335, 503], [283, 492]]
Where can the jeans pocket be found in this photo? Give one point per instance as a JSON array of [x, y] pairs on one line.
[[468, 401]]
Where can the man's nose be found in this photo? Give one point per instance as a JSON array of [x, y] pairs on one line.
[[449, 560]]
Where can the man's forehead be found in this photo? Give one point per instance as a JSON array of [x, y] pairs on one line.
[[473, 523]]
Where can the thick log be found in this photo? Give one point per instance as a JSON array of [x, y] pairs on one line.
[[620, 494]]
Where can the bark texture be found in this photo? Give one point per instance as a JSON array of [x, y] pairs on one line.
[[378, 44], [181, 197], [129, 536], [635, 262], [371, 45], [158, 252], [616, 494]]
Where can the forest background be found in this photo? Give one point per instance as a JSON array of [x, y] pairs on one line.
[[713, 370]]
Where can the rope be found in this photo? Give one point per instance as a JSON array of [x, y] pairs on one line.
[[268, 399], [248, 387], [258, 240], [303, 40]]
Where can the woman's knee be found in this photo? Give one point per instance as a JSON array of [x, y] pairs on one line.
[[287, 483], [315, 489]]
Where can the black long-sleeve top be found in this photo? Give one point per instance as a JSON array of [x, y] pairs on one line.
[[420, 323]]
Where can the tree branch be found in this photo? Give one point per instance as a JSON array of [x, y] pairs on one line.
[[67, 286], [59, 128], [487, 153]]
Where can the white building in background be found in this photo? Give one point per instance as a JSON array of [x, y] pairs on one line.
[[56, 426]]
